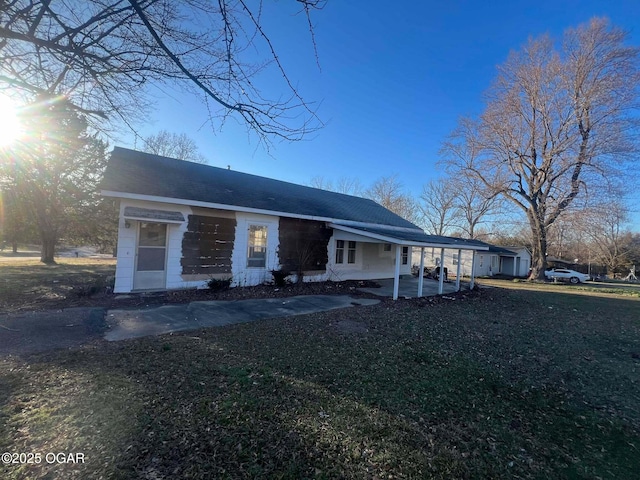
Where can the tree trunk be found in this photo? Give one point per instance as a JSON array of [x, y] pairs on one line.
[[539, 253], [48, 249]]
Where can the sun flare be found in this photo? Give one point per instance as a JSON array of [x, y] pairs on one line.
[[10, 128]]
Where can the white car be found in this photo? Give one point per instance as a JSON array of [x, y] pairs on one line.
[[566, 274]]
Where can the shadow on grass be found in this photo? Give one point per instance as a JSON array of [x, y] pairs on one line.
[[495, 388]]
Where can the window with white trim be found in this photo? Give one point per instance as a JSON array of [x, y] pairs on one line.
[[351, 251], [455, 258], [405, 255], [257, 251]]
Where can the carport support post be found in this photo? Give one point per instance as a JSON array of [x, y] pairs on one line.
[[458, 271], [420, 274], [396, 274], [441, 275], [473, 265]]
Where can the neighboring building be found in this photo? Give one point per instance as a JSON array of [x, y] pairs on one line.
[[513, 261], [182, 224]]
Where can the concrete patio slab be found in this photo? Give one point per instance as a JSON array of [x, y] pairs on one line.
[[408, 287], [136, 323]]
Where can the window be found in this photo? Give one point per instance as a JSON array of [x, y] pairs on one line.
[[339, 251], [351, 258], [405, 255], [455, 258], [481, 259], [351, 251], [387, 247], [494, 262], [257, 255]]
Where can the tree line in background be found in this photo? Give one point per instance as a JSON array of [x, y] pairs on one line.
[[598, 236]]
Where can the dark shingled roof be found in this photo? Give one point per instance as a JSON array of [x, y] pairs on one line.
[[419, 237], [130, 171]]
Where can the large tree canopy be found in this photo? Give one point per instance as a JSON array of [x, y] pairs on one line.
[[559, 119], [100, 54], [49, 181]]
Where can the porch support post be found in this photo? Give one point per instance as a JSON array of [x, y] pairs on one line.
[[396, 274], [515, 261], [441, 276], [473, 269], [420, 274], [458, 270]]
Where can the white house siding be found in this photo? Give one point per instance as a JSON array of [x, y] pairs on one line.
[[241, 274], [372, 261]]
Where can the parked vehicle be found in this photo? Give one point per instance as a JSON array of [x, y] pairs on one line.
[[566, 275]]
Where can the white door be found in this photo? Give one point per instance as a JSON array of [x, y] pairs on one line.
[[151, 256]]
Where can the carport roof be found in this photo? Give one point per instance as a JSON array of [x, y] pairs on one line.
[[410, 237]]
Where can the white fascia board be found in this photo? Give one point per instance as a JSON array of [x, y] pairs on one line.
[[408, 243], [153, 220], [236, 208]]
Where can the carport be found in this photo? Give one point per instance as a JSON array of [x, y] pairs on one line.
[[405, 237]]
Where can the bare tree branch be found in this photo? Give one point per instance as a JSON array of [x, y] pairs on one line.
[[101, 54]]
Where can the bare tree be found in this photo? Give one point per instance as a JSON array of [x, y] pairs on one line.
[[346, 185], [174, 145], [101, 54], [322, 183], [349, 186], [438, 208], [554, 117], [604, 226], [389, 192], [474, 203]]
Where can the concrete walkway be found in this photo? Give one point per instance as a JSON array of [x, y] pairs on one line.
[[409, 287], [125, 324]]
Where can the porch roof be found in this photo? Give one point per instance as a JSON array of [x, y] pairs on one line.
[[409, 237]]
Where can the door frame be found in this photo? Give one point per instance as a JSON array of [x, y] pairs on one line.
[[135, 262]]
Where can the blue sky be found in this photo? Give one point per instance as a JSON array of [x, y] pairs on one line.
[[395, 78]]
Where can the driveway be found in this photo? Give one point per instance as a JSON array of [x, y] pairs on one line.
[[33, 332]]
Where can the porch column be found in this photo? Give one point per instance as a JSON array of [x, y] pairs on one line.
[[473, 269], [441, 276], [396, 274], [458, 271], [420, 275], [516, 260]]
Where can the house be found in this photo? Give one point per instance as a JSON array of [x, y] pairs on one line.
[[513, 261], [182, 224]]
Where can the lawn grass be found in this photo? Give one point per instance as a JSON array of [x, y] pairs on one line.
[[516, 383], [25, 282]]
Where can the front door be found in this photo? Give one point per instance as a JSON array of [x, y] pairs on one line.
[[151, 256]]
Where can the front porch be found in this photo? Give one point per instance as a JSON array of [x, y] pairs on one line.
[[408, 287]]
